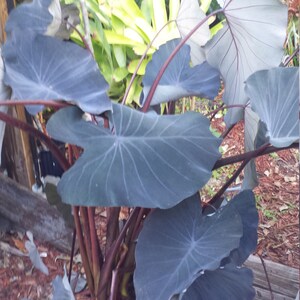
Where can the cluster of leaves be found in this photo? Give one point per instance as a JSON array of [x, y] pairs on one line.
[[142, 159], [122, 30]]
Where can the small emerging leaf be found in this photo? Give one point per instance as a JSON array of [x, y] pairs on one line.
[[34, 254], [61, 288]]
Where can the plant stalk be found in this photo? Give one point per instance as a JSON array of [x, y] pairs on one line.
[[85, 261], [235, 175], [249, 155]]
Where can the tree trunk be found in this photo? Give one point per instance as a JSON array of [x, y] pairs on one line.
[[29, 211]]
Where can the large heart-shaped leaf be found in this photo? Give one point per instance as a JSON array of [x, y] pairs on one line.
[[189, 15], [226, 283], [35, 16], [148, 160], [179, 79], [274, 95], [251, 40], [40, 67], [44, 17], [175, 245]]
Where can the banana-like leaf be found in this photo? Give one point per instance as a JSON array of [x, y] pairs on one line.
[[252, 39], [40, 67], [179, 79], [147, 161], [274, 95], [175, 245], [227, 283]]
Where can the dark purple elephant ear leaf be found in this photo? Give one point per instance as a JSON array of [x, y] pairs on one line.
[[134, 165], [40, 67], [179, 79], [274, 96], [252, 39], [182, 243]]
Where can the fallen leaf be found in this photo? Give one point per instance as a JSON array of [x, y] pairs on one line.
[[19, 244], [290, 179], [277, 183], [283, 207]]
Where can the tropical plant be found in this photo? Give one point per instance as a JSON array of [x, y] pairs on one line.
[[171, 245], [121, 31]]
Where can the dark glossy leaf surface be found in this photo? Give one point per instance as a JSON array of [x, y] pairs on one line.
[[176, 244], [274, 95], [179, 79], [43, 68], [251, 40], [33, 16], [244, 203], [227, 283], [149, 161]]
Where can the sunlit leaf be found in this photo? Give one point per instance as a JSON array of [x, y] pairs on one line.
[[252, 39], [274, 95], [149, 160], [179, 79], [39, 67], [189, 15], [175, 245]]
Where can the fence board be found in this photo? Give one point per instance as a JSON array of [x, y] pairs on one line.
[[284, 280]]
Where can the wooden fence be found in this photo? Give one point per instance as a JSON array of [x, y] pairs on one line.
[[284, 280]]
